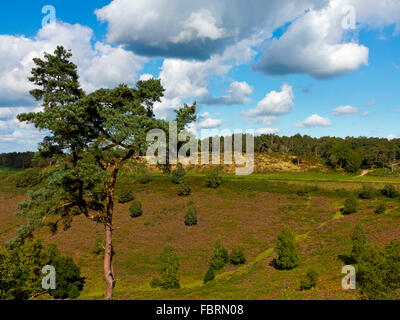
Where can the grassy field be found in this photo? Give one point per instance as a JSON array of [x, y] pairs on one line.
[[246, 211]]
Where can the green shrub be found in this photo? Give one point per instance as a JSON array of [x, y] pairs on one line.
[[219, 257], [288, 254], [367, 192], [237, 256], [28, 178], [68, 276], [381, 208], [100, 247], [184, 189], [213, 179], [209, 276], [21, 271], [169, 269], [155, 283], [310, 280], [136, 209], [178, 174], [359, 242], [191, 217], [378, 272], [390, 191], [142, 174], [125, 196], [350, 206]]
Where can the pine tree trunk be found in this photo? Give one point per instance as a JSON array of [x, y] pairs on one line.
[[109, 274]]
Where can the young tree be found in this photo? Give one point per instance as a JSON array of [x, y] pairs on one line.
[[92, 137], [359, 242], [288, 254]]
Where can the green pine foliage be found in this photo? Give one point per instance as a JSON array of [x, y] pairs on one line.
[[390, 191], [126, 196], [237, 256], [191, 217], [178, 174], [310, 280], [219, 257], [288, 253], [213, 179], [136, 209], [184, 189], [350, 206], [381, 208], [378, 272], [209, 276], [168, 269], [359, 239]]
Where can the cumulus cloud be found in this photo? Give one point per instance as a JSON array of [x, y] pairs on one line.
[[194, 29], [371, 102], [314, 121], [391, 136], [313, 44], [344, 110], [274, 104], [101, 65], [267, 131], [237, 93], [205, 121]]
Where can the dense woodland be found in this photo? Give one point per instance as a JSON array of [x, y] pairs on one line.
[[350, 153]]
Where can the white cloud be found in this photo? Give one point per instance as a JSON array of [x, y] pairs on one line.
[[366, 114], [100, 65], [274, 104], [371, 102], [313, 44], [314, 121], [237, 93], [146, 76], [344, 110], [205, 121], [194, 29], [267, 131], [391, 137], [200, 25]]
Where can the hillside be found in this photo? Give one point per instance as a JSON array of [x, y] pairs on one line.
[[248, 212]]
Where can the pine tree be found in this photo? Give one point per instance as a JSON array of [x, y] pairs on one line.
[[288, 254], [91, 136]]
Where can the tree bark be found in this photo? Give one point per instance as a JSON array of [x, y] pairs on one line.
[[109, 274]]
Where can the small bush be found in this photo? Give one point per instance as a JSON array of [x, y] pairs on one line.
[[350, 206], [381, 208], [213, 179], [100, 246], [310, 280], [136, 209], [219, 257], [237, 256], [178, 174], [125, 196], [184, 189], [359, 239], [390, 191], [28, 178], [288, 254], [169, 269], [367, 192], [142, 174], [209, 276], [155, 283], [191, 217]]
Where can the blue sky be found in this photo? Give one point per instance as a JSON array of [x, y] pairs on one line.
[[284, 67]]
